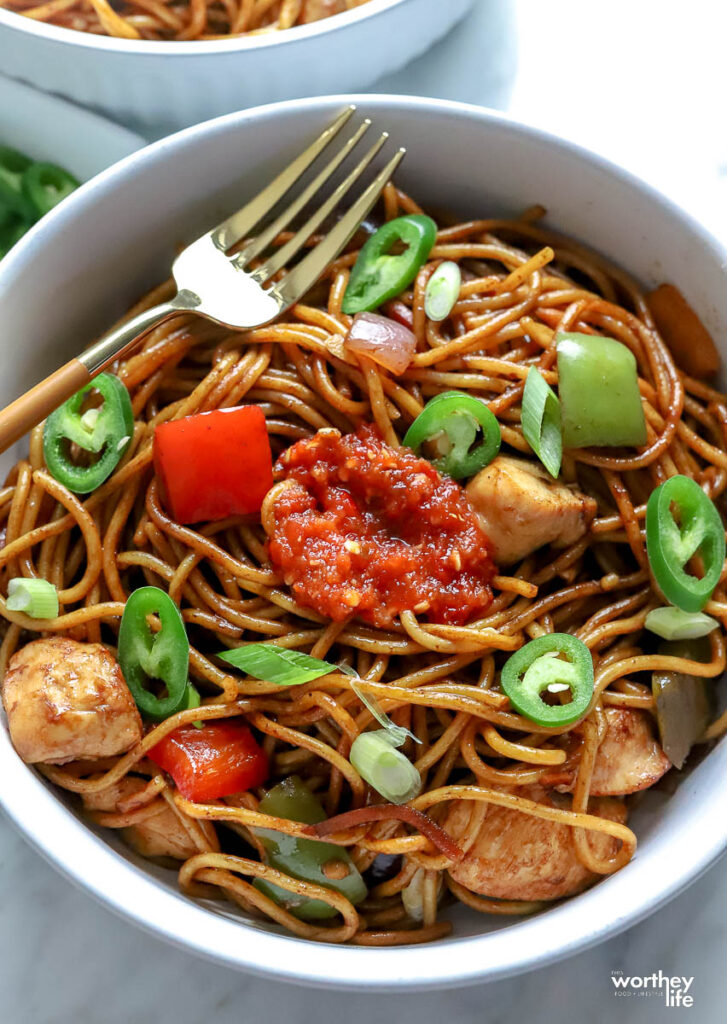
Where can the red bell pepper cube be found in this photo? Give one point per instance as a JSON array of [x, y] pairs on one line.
[[208, 763], [215, 464]]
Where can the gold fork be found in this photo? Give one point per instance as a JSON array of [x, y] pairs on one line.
[[221, 287]]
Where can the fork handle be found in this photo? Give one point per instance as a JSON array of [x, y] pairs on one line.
[[27, 411]]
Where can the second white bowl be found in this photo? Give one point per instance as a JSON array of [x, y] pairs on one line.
[[158, 87]]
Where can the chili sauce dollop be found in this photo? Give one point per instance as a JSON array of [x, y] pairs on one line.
[[364, 529]]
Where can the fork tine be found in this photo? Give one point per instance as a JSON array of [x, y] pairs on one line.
[[239, 224], [260, 242], [282, 256], [306, 273]]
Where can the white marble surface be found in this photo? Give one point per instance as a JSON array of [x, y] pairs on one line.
[[642, 83]]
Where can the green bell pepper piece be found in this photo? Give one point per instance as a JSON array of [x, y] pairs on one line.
[[599, 392], [303, 858]]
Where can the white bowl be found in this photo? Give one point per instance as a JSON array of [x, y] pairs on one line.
[[118, 236], [158, 87], [48, 128]]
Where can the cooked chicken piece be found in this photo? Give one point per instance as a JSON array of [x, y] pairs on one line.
[[162, 836], [629, 757], [68, 701], [314, 10], [107, 800], [518, 857], [520, 507]]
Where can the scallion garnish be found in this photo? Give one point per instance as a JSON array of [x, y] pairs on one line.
[[540, 419], [674, 624], [376, 759], [442, 291], [398, 733], [37, 598], [277, 665]]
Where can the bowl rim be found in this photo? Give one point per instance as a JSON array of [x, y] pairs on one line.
[[195, 48], [91, 863]]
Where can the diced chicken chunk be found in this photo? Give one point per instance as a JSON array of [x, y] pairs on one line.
[[68, 701], [629, 757], [108, 799], [161, 837], [520, 507], [519, 857]]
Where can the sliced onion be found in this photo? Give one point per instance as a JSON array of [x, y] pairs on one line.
[[411, 896], [399, 312], [388, 343]]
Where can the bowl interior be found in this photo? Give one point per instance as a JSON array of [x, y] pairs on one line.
[[118, 236]]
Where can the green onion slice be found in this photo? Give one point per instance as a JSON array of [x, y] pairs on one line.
[[384, 767], [540, 419], [37, 598], [442, 291], [674, 624], [278, 665], [398, 733]]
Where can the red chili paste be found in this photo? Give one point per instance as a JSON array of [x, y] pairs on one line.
[[370, 531]]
